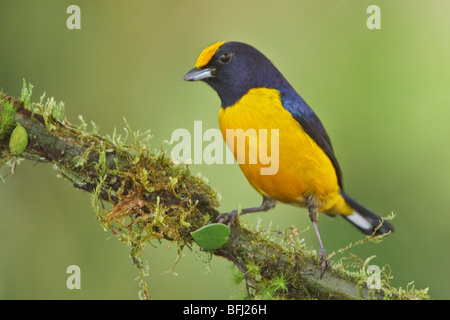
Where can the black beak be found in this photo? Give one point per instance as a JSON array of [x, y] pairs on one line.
[[197, 74]]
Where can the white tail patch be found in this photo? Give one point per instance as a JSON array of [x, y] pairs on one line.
[[360, 221]]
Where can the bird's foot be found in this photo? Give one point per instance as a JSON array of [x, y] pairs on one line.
[[324, 262], [228, 218]]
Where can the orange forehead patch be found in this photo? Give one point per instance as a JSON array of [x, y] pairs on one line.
[[207, 53]]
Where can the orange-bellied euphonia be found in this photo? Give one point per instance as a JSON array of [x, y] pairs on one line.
[[255, 95]]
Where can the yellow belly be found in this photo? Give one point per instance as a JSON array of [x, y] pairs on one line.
[[303, 167]]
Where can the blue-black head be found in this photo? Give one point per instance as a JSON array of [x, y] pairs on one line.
[[233, 68]]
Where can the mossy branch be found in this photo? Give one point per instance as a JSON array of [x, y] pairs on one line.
[[152, 199]]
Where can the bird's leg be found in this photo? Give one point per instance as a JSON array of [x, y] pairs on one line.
[[314, 216], [230, 217]]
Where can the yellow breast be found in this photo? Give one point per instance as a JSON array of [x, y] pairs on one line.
[[302, 166]]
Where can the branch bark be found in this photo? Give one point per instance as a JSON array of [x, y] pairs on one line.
[[152, 198]]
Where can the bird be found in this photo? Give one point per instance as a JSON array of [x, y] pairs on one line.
[[256, 96]]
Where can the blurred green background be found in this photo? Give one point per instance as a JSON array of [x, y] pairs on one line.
[[383, 95]]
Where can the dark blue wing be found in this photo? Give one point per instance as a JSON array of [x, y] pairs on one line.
[[311, 124]]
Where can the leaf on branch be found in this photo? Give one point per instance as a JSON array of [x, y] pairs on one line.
[[212, 236]]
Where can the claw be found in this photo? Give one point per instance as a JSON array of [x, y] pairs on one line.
[[325, 263], [228, 218]]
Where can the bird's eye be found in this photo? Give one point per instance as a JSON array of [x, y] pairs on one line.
[[224, 57]]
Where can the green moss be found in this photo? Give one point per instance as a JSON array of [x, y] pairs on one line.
[[7, 119], [279, 283], [139, 216], [254, 271]]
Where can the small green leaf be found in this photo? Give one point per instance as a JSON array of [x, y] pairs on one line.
[[18, 140], [212, 236]]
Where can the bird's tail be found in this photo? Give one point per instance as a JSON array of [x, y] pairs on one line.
[[365, 220]]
